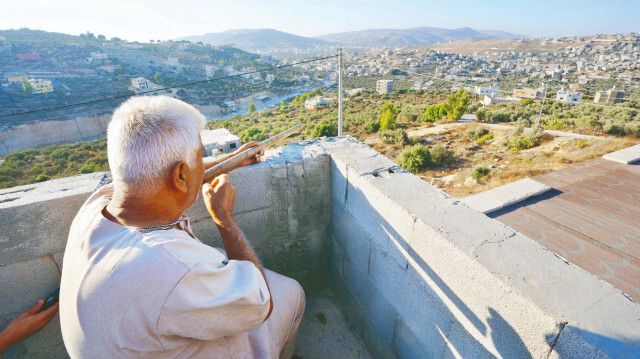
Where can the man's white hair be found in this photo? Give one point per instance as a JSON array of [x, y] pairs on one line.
[[147, 135]]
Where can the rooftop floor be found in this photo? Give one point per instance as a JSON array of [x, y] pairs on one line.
[[325, 333], [591, 217]]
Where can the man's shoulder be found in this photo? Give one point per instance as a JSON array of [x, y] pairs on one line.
[[182, 248]]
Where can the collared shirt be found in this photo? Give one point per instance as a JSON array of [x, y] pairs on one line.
[[155, 294]]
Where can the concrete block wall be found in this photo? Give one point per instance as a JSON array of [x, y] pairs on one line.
[[282, 206], [421, 275], [418, 274]]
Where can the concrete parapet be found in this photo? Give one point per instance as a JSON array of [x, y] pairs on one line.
[[506, 195], [460, 283], [418, 273], [624, 156], [282, 205]]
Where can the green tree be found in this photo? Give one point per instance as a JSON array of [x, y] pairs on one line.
[[157, 78], [252, 134], [457, 104], [434, 113], [388, 117], [27, 88], [252, 108]]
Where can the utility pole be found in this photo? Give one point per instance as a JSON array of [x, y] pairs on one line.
[[339, 92], [544, 97]]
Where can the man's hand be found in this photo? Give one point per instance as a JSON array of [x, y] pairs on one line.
[[219, 197], [251, 160], [214, 161], [25, 324]]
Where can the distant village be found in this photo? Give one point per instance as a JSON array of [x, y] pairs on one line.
[[577, 62]]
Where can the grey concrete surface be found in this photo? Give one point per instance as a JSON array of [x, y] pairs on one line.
[[415, 272], [325, 333]]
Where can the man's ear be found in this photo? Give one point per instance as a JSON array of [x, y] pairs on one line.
[[179, 176]]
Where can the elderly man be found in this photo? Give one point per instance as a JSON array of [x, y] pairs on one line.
[[136, 281]]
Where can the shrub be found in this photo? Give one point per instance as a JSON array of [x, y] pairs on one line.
[[582, 143], [519, 143], [324, 128], [479, 172], [557, 123], [482, 115], [415, 158], [484, 138], [441, 157], [527, 102], [42, 178], [477, 133], [501, 117], [398, 137], [372, 126]]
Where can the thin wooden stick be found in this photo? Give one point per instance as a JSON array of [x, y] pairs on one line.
[[233, 162]]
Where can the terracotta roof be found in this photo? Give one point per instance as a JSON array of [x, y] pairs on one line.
[[591, 218]]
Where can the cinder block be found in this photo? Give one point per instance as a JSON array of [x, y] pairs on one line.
[[56, 352], [207, 232], [17, 351], [38, 228], [356, 240], [47, 337], [338, 182], [255, 226], [407, 346], [253, 187], [363, 205], [412, 298], [336, 260], [25, 282], [58, 258], [380, 312]]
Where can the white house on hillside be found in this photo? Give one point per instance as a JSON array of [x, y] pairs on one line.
[[490, 91], [573, 96], [219, 141], [316, 101]]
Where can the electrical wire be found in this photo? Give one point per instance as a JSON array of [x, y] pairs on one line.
[[165, 88]]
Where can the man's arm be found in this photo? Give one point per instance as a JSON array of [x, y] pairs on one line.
[[213, 161], [219, 197], [26, 324]]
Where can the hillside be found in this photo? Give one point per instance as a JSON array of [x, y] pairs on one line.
[[259, 40], [419, 36], [89, 67], [470, 46]]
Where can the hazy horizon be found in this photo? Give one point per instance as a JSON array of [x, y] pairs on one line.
[[143, 20]]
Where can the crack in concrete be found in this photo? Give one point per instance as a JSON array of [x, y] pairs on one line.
[[553, 346], [346, 184]]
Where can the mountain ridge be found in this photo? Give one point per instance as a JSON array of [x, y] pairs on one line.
[[271, 40]]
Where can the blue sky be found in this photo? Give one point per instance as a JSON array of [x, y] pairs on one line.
[[143, 20]]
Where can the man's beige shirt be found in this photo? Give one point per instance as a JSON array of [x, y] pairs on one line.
[[161, 294]]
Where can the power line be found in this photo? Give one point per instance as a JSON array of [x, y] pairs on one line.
[[166, 88]]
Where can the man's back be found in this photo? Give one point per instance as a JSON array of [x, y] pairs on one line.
[[157, 294]]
